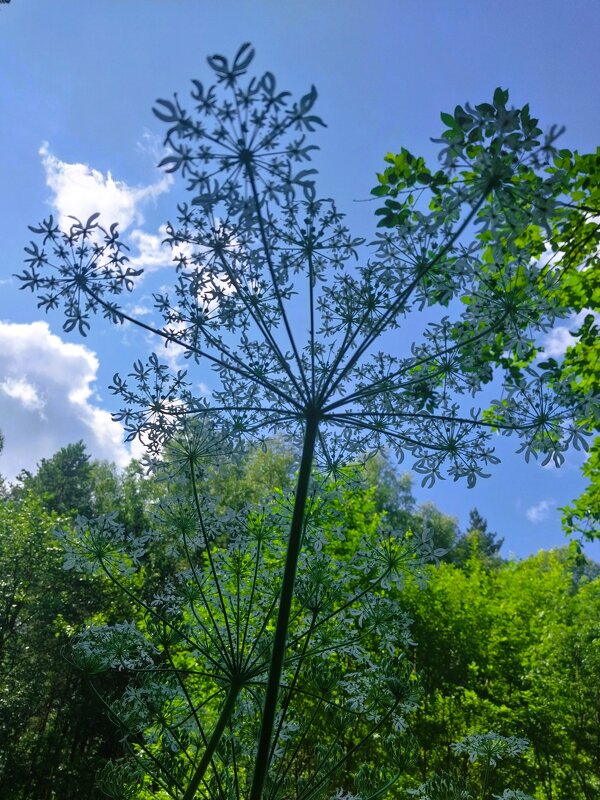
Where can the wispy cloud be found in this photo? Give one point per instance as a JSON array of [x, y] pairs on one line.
[[139, 310], [47, 399], [540, 511], [151, 145]]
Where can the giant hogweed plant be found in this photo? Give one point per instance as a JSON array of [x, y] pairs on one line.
[[482, 754], [270, 660], [201, 656]]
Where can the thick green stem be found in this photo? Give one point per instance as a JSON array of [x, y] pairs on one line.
[[486, 778], [213, 742], [285, 605]]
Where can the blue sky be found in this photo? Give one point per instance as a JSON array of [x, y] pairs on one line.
[[77, 133]]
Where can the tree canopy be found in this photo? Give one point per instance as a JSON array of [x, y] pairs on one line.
[[497, 645]]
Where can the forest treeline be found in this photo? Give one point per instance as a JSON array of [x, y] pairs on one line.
[[508, 646]]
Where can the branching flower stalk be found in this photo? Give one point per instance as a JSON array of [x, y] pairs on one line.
[[466, 246], [487, 750]]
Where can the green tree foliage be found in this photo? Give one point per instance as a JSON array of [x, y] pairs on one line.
[[256, 621], [477, 542], [55, 734], [52, 736], [583, 515], [251, 476], [577, 237], [502, 646], [344, 623], [63, 481], [70, 483], [483, 756], [3, 486], [393, 497], [513, 649], [392, 491]]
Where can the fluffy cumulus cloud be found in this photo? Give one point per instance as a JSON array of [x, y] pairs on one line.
[[47, 399], [152, 251], [80, 191], [540, 511], [561, 336]]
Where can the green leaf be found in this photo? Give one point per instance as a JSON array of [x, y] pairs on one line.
[[380, 191], [500, 98]]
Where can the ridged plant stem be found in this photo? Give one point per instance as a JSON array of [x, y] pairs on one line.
[[212, 743], [285, 604]]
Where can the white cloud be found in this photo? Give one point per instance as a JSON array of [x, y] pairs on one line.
[[151, 145], [80, 191], [557, 341], [139, 310], [559, 338], [19, 389], [153, 252], [47, 399], [540, 511]]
